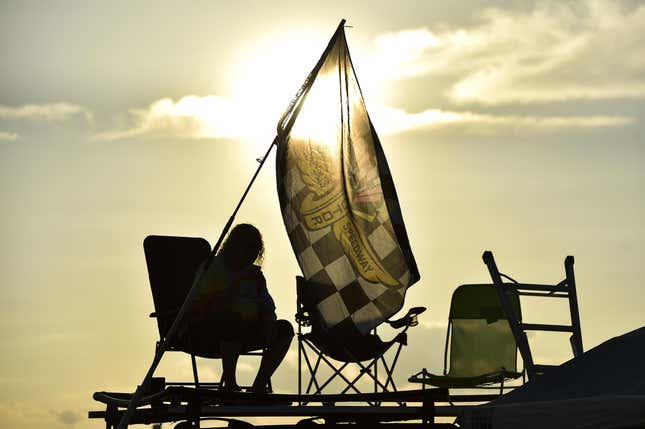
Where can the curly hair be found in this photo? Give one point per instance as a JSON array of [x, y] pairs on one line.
[[244, 241]]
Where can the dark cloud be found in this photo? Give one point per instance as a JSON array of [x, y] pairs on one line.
[[68, 417]]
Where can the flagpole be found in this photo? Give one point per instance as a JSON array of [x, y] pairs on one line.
[[163, 346], [284, 127]]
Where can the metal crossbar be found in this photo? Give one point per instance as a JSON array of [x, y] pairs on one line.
[[365, 370], [316, 386], [314, 371]]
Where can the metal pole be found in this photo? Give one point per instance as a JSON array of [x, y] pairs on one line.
[[520, 336], [573, 307]]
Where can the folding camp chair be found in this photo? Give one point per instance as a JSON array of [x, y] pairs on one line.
[[480, 350], [565, 289], [367, 352], [172, 265]]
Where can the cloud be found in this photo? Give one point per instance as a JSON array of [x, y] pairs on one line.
[[576, 50], [291, 358], [21, 414], [399, 55], [8, 136], [554, 52], [50, 112], [395, 121], [194, 117], [191, 117], [247, 368], [68, 417]]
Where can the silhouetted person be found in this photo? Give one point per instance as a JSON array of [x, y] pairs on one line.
[[234, 305]]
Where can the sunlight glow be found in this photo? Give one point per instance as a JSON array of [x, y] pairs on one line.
[[209, 116], [268, 74], [495, 61], [319, 119], [262, 82]]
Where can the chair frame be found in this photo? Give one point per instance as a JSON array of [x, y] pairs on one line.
[[565, 289], [424, 373], [193, 356], [368, 368]]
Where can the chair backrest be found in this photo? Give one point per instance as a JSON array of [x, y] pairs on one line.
[[351, 347], [307, 313], [172, 264], [479, 337]]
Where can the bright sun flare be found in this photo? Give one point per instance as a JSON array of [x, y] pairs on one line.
[[266, 77], [262, 82]]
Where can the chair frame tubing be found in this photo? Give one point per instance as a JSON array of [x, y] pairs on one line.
[[564, 289], [316, 386]]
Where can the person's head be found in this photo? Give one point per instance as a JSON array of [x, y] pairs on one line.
[[242, 247]]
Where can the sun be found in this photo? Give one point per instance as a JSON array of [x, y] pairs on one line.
[[320, 117], [267, 74]]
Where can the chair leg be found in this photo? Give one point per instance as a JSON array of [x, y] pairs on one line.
[[366, 370], [337, 371], [195, 375], [312, 371], [389, 371], [299, 361], [576, 337], [376, 372]]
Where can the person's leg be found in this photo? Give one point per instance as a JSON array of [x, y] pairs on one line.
[[230, 352], [279, 340]]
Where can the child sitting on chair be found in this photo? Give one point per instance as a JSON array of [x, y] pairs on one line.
[[233, 307]]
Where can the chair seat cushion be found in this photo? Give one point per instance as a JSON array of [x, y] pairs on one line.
[[457, 382]]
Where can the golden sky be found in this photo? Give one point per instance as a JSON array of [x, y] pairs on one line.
[[511, 126]]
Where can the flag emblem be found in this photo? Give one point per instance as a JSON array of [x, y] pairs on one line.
[[338, 200]]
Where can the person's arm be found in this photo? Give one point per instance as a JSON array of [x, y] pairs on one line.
[[265, 301]]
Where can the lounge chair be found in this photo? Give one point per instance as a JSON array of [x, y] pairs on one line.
[[480, 350], [367, 352], [172, 265]]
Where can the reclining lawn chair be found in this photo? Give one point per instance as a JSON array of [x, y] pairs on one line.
[[565, 289], [172, 265], [338, 354], [480, 350]]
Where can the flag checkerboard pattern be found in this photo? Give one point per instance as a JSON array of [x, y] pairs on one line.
[[344, 299], [339, 204]]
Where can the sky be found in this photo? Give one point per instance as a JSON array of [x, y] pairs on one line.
[[511, 126]]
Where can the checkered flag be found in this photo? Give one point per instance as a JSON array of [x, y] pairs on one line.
[[338, 201]]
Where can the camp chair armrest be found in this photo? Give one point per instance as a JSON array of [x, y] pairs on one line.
[[427, 378], [410, 319], [164, 313], [303, 318]]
